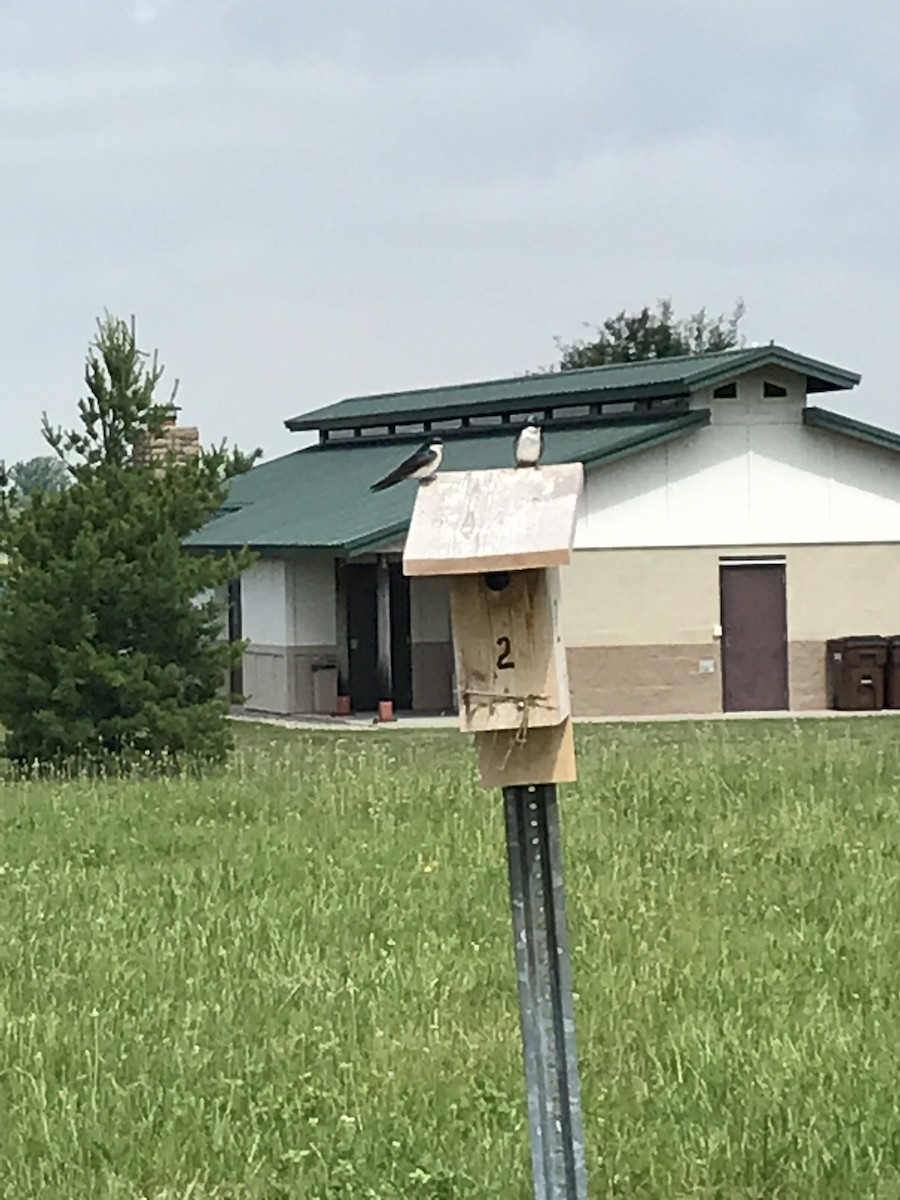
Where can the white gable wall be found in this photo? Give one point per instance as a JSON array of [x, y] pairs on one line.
[[755, 476]]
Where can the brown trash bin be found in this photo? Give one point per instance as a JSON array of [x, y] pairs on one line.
[[856, 669], [892, 673]]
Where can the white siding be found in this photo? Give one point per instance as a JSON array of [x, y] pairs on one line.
[[263, 602], [756, 483], [289, 602], [311, 602]]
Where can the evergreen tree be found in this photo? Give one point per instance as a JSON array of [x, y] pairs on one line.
[[631, 337], [111, 647]]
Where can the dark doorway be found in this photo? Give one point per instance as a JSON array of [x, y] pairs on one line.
[[235, 627], [401, 649], [754, 636], [362, 637], [362, 634]]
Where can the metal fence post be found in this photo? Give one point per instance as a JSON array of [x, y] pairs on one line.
[[545, 992]]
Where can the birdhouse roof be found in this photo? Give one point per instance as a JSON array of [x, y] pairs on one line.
[[511, 519]]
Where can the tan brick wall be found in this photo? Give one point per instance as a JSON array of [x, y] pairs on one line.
[[806, 676], [666, 680], [627, 681]]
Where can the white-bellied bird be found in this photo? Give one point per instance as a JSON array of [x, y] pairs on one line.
[[422, 465], [529, 444]]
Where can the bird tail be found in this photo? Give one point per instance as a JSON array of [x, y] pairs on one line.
[[388, 481]]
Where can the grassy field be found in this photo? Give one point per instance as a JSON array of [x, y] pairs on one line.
[[296, 979]]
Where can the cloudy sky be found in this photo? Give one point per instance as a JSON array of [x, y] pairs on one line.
[[307, 199]]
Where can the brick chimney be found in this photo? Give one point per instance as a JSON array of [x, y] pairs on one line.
[[183, 439]]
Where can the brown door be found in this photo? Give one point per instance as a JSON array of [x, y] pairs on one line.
[[754, 637]]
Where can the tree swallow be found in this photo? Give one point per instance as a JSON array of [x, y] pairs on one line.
[[529, 444], [421, 465]]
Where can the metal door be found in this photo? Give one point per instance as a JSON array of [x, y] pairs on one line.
[[754, 637], [362, 636], [401, 649]]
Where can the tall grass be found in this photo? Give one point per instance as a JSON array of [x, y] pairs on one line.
[[295, 979]]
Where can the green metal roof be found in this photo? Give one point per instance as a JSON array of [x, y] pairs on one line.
[[648, 379], [319, 499], [822, 418]]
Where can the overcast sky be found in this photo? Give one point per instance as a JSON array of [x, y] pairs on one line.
[[306, 199]]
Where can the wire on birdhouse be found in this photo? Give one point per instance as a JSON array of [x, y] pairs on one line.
[[491, 699], [524, 703]]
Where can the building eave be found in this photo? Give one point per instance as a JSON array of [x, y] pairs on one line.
[[820, 376], [537, 403], [873, 435]]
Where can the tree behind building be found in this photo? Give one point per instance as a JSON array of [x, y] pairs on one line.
[[46, 473], [651, 333]]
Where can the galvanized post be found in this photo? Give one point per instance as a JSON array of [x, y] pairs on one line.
[[545, 992]]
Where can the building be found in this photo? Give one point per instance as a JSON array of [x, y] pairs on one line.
[[729, 526]]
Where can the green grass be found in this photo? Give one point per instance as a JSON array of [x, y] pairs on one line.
[[296, 979]]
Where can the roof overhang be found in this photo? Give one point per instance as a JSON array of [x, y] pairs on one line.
[[820, 376], [537, 401], [873, 435]]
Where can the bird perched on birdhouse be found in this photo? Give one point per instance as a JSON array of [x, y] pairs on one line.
[[529, 444], [422, 466]]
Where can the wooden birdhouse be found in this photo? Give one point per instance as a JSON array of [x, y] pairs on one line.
[[501, 536]]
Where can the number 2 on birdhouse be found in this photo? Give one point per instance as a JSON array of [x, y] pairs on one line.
[[504, 662]]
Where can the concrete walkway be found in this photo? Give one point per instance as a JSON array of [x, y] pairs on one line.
[[367, 721]]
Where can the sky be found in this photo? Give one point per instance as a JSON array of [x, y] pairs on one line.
[[301, 200]]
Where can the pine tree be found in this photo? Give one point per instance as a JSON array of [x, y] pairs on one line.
[[111, 648]]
